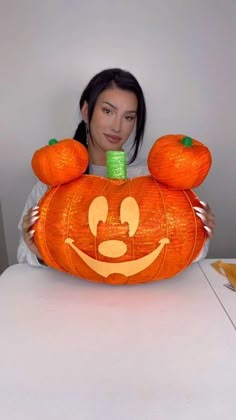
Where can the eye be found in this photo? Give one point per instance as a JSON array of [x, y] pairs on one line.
[[98, 212], [130, 117], [106, 110], [129, 212]]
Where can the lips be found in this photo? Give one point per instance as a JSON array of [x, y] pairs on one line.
[[112, 138]]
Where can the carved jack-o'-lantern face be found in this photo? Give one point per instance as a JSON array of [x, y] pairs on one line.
[[113, 248], [130, 232]]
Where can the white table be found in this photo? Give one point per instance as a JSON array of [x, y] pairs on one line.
[[74, 350]]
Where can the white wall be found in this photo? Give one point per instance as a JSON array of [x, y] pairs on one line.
[[182, 52]]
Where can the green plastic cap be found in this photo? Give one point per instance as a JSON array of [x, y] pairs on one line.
[[116, 164], [52, 141], [187, 141]]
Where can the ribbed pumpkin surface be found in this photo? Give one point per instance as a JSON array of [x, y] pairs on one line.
[[177, 165], [69, 213], [60, 162]]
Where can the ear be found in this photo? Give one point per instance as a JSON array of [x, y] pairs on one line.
[[60, 162], [84, 112]]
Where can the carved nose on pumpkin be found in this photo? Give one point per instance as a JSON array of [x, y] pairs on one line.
[[112, 248]]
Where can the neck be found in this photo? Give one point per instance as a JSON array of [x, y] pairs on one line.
[[96, 156]]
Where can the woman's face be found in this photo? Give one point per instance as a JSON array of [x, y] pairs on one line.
[[112, 123]]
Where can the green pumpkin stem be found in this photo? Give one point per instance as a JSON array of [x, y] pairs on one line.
[[116, 164], [187, 141], [52, 141]]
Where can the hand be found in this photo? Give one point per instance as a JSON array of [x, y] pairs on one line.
[[207, 218], [28, 233]]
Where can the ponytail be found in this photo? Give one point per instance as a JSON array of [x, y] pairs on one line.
[[81, 136]]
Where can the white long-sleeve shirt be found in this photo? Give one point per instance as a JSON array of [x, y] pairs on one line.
[[24, 255]]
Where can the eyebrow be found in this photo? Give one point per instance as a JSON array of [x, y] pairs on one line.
[[114, 107]]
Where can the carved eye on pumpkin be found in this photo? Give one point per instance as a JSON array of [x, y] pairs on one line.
[[98, 212], [129, 212]]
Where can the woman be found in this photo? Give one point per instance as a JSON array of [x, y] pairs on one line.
[[112, 107]]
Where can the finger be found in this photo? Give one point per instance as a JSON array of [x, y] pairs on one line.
[[28, 237], [29, 219], [206, 221], [205, 215], [205, 209], [31, 233], [28, 232], [210, 226], [27, 224], [205, 205], [210, 222], [210, 218], [32, 209], [209, 231], [201, 216], [199, 210]]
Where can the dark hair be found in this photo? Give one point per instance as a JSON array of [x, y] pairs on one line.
[[123, 80]]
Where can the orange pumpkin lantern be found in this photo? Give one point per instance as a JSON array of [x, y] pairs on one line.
[[179, 161], [118, 231], [52, 170]]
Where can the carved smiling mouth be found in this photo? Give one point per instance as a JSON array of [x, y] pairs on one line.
[[127, 268]]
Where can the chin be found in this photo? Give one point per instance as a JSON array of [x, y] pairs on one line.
[[112, 146], [115, 147]]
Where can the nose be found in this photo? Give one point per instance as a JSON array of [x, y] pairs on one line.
[[112, 248], [116, 124]]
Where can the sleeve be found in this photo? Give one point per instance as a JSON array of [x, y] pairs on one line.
[[24, 255], [204, 251]]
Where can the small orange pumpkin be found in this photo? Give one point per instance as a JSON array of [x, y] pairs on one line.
[[179, 161], [60, 162], [118, 231]]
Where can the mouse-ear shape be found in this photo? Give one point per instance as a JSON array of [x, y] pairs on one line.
[[60, 161], [179, 161]]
